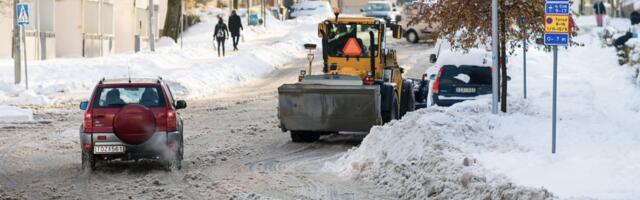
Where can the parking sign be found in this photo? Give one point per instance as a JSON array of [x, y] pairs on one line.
[[557, 22]]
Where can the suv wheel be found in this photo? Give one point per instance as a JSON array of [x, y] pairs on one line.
[[173, 161], [304, 136], [88, 160]]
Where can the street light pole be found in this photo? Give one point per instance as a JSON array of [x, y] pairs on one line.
[[494, 47]]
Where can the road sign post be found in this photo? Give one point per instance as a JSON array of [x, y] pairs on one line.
[[556, 33], [22, 16]]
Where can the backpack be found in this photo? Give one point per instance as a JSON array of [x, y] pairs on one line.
[[220, 33]]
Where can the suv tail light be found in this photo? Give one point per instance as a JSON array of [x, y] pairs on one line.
[[172, 121], [88, 122], [436, 84]]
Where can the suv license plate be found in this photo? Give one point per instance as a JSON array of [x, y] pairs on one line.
[[465, 90], [108, 149]]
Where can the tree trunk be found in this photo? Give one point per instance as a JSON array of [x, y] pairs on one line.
[[503, 64], [172, 21]]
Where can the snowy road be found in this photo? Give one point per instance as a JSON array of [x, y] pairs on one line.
[[233, 149]]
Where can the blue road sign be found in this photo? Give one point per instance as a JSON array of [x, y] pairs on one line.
[[556, 8], [22, 14], [558, 39]]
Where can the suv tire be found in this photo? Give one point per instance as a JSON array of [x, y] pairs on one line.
[[174, 161], [88, 160], [304, 136]]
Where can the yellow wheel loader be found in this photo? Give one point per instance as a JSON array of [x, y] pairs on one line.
[[361, 85]]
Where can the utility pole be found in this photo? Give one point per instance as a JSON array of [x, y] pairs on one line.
[[494, 47], [16, 44], [152, 38]]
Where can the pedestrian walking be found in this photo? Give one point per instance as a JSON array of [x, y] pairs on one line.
[[600, 11], [235, 26], [221, 33]]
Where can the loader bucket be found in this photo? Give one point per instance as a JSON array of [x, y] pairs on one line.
[[328, 108]]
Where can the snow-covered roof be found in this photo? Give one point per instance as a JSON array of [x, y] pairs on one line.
[[312, 8], [477, 57]]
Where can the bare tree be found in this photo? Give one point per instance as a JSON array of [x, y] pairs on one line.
[[467, 23]]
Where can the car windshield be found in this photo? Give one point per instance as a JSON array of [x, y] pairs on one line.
[[465, 74], [340, 34], [115, 97], [379, 7]]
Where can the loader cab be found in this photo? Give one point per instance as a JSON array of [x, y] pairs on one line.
[[355, 46], [349, 46]]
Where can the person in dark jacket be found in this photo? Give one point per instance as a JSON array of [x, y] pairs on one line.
[[235, 26], [221, 34], [600, 11]]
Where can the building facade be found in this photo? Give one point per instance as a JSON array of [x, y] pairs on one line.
[[84, 28]]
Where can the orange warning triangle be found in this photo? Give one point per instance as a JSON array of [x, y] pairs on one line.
[[352, 48]]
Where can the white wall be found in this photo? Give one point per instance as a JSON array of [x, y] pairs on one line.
[[6, 28], [125, 26], [68, 23]]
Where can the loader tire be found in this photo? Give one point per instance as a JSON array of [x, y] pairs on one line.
[[408, 100], [392, 114], [304, 136]]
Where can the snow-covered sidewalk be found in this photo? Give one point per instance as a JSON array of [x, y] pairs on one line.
[[193, 71], [464, 152]]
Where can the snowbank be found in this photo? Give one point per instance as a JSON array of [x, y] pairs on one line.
[[193, 71], [429, 154], [464, 152], [14, 114]]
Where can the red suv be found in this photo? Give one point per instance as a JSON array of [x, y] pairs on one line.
[[131, 119]]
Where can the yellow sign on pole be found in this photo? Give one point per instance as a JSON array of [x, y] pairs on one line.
[[556, 24]]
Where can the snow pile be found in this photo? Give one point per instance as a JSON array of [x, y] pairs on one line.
[[464, 152], [428, 154], [13, 114], [192, 72]]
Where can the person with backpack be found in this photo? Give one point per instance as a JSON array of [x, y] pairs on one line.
[[221, 32], [235, 26], [600, 11]]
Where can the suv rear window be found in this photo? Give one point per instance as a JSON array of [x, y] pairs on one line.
[[466, 74], [115, 97]]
